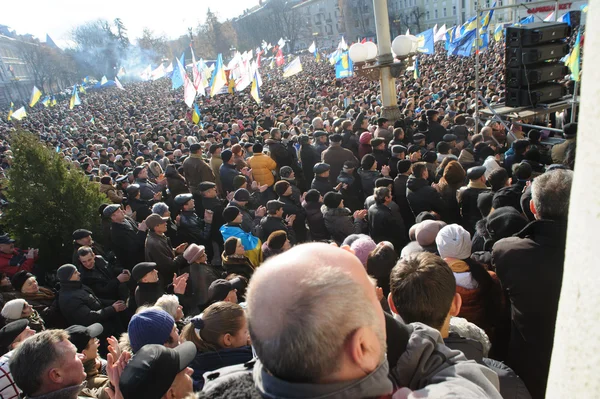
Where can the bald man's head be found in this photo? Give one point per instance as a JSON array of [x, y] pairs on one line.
[[487, 131], [302, 307]]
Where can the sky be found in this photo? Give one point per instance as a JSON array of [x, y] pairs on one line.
[[172, 18]]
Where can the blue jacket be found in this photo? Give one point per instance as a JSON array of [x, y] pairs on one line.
[[210, 361]]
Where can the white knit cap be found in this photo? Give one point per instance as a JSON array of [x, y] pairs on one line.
[[13, 309], [453, 241]]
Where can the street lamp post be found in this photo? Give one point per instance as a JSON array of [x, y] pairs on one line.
[[382, 64]]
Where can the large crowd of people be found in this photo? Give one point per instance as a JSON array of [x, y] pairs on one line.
[[302, 247]]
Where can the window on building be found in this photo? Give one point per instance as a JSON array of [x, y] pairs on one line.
[[444, 12], [356, 23], [427, 16], [435, 13], [454, 10]]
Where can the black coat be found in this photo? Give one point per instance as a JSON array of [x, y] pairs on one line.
[[384, 225], [148, 293], [352, 194], [290, 207], [141, 208], [367, 179], [382, 157], [240, 266], [322, 185], [316, 223], [102, 279], [201, 277], [400, 198], [350, 141], [422, 197], [436, 132], [227, 173], [340, 223], [272, 223], [128, 243], [468, 206], [309, 157], [280, 154], [193, 229], [79, 305], [530, 268]]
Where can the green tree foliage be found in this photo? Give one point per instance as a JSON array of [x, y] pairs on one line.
[[48, 201]]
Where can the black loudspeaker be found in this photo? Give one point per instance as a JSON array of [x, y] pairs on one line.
[[516, 77], [532, 63], [539, 94], [536, 33]]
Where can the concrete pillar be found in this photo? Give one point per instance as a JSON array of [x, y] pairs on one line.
[[575, 363]]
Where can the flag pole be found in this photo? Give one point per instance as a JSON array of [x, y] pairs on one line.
[[574, 106], [477, 37]]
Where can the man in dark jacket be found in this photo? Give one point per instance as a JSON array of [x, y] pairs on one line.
[[530, 268], [150, 288], [384, 225], [228, 171], [382, 130], [314, 217], [274, 221], [404, 169], [81, 238], [436, 131], [215, 204], [380, 152], [398, 153], [467, 197], [159, 250], [80, 306], [321, 181], [196, 170], [320, 142], [250, 219], [309, 157], [335, 156], [351, 188], [283, 189], [419, 193], [106, 281], [193, 229], [339, 220], [278, 151], [148, 190], [127, 237], [423, 290]]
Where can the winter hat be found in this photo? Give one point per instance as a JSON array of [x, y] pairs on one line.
[[152, 326], [230, 213], [12, 310], [453, 241], [367, 162], [226, 155], [332, 199], [285, 171], [507, 196], [365, 138], [230, 245], [65, 272], [281, 187], [353, 237], [425, 215], [426, 232], [277, 239], [454, 173], [312, 195], [19, 279], [105, 180], [192, 252], [362, 248], [504, 222], [484, 203], [241, 194], [238, 181], [403, 166], [491, 165]]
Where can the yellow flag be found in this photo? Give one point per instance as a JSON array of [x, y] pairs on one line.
[[35, 96], [10, 111]]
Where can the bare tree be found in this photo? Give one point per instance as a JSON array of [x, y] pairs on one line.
[[417, 14], [155, 46]]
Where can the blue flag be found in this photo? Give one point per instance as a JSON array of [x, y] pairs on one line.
[[527, 20], [343, 67], [425, 42], [464, 45], [177, 78]]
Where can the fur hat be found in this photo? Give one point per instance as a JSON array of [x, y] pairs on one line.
[[362, 248], [277, 239]]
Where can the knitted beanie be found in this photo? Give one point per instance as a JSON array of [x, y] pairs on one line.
[[453, 241], [12, 310], [65, 272], [362, 248], [332, 199], [152, 326]]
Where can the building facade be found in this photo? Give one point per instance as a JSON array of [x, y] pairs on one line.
[[16, 77]]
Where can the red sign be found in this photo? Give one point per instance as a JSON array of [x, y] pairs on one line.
[[565, 6]]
